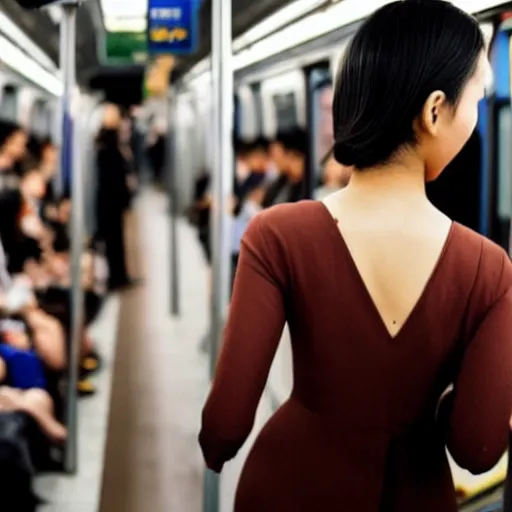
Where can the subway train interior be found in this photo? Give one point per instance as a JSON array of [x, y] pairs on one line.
[[113, 285]]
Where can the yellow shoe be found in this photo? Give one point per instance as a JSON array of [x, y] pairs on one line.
[[85, 387], [90, 364]]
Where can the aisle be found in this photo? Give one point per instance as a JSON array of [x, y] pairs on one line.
[[152, 458]]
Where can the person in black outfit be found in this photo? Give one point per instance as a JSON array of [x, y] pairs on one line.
[[252, 165], [289, 186], [113, 197], [156, 150]]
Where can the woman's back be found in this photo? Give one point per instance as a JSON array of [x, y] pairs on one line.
[[364, 400]]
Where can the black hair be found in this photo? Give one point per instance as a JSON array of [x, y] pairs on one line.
[[27, 167], [296, 141], [255, 145], [35, 147], [281, 137], [401, 54], [240, 146], [261, 143], [46, 142], [7, 129]]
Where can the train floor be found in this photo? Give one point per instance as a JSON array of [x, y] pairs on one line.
[[152, 459]]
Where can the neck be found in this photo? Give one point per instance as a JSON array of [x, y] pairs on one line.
[[404, 182]]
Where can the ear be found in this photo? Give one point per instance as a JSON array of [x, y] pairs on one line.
[[432, 112]]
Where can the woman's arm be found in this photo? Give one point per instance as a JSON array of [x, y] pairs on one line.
[[254, 328], [476, 414]]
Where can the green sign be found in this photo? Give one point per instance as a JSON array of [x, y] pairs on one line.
[[126, 47]]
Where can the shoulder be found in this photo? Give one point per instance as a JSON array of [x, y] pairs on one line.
[[494, 267], [287, 216], [278, 235]]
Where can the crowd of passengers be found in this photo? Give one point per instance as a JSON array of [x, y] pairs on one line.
[[35, 282], [267, 173]]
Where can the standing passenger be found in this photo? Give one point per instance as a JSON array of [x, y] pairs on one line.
[[388, 301], [112, 197]]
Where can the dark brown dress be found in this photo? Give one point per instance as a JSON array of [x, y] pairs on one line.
[[360, 430]]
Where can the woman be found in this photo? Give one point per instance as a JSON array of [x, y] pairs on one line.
[[112, 197], [388, 302]]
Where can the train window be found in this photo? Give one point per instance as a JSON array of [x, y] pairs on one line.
[[286, 111], [9, 103], [40, 119]]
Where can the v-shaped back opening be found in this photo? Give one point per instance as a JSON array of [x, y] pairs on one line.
[[371, 302]]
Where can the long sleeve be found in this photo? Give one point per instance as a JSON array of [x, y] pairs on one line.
[[254, 328], [477, 414]]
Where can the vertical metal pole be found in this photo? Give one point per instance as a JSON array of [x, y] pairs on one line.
[[222, 179], [71, 171], [173, 208]]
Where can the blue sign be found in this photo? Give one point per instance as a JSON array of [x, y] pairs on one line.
[[172, 26]]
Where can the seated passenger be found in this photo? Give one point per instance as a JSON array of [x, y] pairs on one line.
[[13, 140], [17, 299], [45, 153], [36, 402], [252, 164], [21, 229]]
